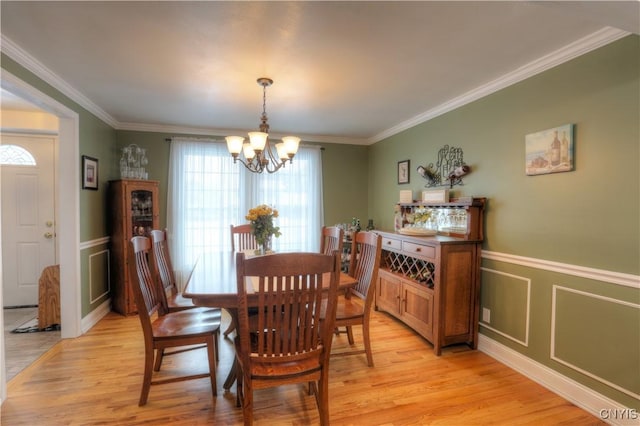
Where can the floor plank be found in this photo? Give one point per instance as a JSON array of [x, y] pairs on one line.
[[95, 379]]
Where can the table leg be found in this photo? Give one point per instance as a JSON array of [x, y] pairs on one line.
[[231, 377]]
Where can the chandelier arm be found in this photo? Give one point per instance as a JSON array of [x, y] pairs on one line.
[[251, 166]]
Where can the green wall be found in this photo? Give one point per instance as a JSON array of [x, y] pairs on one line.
[[344, 171], [585, 219]]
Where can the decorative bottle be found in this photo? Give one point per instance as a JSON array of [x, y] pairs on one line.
[[564, 149], [555, 150]]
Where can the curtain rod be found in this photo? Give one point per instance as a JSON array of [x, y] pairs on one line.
[[221, 141]]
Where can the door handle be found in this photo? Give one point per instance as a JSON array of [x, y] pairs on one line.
[[48, 235]]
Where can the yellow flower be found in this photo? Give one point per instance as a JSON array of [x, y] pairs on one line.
[[261, 218]]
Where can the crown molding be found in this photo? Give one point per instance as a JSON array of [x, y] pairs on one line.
[[584, 45], [164, 128], [23, 58]]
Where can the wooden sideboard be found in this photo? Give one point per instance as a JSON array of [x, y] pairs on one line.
[[432, 284]]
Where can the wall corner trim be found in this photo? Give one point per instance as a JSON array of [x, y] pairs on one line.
[[578, 394]]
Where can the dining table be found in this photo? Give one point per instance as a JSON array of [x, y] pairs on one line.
[[213, 283]]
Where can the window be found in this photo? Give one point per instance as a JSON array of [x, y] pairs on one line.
[[14, 155], [208, 192]]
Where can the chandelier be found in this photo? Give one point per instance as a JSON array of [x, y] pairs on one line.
[[258, 153]]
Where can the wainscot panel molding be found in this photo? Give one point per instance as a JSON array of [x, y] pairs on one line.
[[627, 280], [526, 309], [99, 269], [94, 243], [571, 390], [595, 340]]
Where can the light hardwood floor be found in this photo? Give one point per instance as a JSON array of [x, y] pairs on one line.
[[95, 379]]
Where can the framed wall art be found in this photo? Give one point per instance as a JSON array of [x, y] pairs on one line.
[[403, 171], [549, 151], [89, 173]]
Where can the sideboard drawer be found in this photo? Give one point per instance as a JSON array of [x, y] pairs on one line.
[[419, 250], [390, 243]]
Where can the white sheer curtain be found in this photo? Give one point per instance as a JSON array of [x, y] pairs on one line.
[[207, 193]]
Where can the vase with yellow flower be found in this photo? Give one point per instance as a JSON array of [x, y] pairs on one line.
[[262, 226]]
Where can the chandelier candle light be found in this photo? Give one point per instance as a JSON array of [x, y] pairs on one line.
[[258, 153]]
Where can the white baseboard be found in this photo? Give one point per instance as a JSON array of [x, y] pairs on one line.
[[96, 315], [598, 405]]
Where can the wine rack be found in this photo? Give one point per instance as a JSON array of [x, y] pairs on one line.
[[418, 270]]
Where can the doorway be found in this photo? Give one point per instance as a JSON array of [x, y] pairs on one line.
[[68, 196]]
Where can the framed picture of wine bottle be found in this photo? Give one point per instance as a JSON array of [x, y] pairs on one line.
[[549, 151]]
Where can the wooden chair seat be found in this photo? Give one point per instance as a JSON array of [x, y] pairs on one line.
[[191, 324], [348, 309], [271, 369]]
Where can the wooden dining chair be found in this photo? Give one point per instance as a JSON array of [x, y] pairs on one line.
[[181, 330], [331, 239], [292, 340], [354, 307], [242, 238], [171, 299]]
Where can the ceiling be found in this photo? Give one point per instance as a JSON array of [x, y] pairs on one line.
[[352, 72]]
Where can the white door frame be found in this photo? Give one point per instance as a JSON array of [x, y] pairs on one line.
[[68, 221]]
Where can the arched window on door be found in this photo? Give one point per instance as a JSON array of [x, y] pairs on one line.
[[14, 155]]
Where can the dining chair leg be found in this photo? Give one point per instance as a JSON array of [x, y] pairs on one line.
[[350, 334], [247, 403], [159, 358], [211, 354], [146, 381], [367, 343], [239, 391], [322, 393], [216, 342]]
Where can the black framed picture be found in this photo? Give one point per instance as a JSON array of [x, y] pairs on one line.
[[403, 171], [89, 173]]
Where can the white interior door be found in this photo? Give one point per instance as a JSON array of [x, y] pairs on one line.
[[28, 222]]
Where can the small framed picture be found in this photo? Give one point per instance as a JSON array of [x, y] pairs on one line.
[[89, 173], [549, 151], [403, 171]]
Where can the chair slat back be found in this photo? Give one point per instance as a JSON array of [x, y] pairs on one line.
[[163, 262], [291, 288], [242, 238], [144, 287], [365, 260], [331, 239]]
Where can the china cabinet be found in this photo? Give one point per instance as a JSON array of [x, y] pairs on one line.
[[432, 283], [134, 211]]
